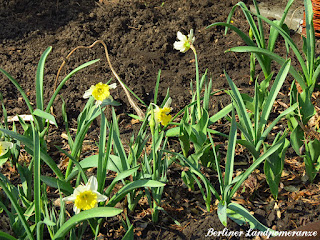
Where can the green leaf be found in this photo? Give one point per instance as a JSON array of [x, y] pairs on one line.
[[222, 213], [56, 183], [273, 167], [241, 216], [44, 156], [274, 56], [296, 139], [241, 110], [18, 209], [85, 215], [65, 80], [278, 82], [5, 236], [255, 164], [39, 78], [121, 176], [16, 84], [131, 186], [230, 152], [45, 115]]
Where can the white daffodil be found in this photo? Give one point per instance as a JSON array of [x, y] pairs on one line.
[[86, 196], [100, 92], [161, 115], [184, 42], [4, 147]]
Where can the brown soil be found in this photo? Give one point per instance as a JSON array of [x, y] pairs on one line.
[[140, 37]]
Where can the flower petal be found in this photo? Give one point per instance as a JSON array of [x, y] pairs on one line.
[[92, 184], [100, 197], [75, 209], [178, 45], [168, 103], [113, 86], [88, 93], [70, 198], [181, 37]]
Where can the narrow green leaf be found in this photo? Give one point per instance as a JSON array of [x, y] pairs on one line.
[[131, 186], [230, 152], [65, 80], [241, 108], [5, 236], [56, 183], [274, 56], [45, 115], [254, 165], [85, 215], [39, 78], [36, 173], [278, 82], [18, 209], [16, 84], [44, 156], [241, 216]]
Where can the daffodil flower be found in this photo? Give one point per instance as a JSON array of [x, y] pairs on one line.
[[86, 196], [100, 92], [184, 42], [161, 115], [4, 147]]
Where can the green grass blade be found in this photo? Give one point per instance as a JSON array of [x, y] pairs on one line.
[[155, 99], [310, 37], [39, 78], [45, 115], [16, 84], [247, 40], [252, 24], [289, 40], [274, 34], [197, 172], [230, 152], [101, 156], [278, 82], [85, 215], [275, 57], [44, 156], [271, 125], [36, 173], [65, 80], [17, 208], [117, 143], [241, 108], [254, 165], [217, 165], [131, 186], [261, 31], [241, 216], [6, 236], [223, 112], [56, 183], [119, 177]]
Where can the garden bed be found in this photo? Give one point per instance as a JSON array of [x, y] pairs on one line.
[[140, 36]]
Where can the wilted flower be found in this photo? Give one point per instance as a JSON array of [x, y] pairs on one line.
[[184, 42], [161, 115], [100, 92], [4, 147], [86, 196]]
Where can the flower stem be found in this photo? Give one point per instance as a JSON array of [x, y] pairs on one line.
[[197, 82]]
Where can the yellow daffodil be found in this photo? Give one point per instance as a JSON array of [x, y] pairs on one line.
[[86, 196], [4, 147], [100, 92], [184, 42], [161, 115]]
